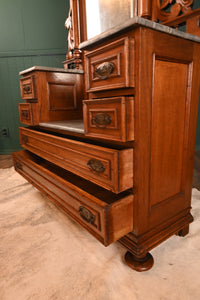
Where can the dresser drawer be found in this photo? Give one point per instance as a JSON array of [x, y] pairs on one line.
[[111, 118], [28, 113], [110, 168], [105, 215], [27, 87], [109, 67]]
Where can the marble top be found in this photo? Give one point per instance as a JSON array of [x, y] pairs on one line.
[[70, 125], [50, 69], [136, 22]]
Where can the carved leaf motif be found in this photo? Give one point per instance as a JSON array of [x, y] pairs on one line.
[[177, 6], [175, 10], [185, 5], [165, 3]]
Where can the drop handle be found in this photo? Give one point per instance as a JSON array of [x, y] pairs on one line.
[[102, 120], [86, 215], [96, 165], [18, 165], [27, 89], [25, 114], [104, 70]]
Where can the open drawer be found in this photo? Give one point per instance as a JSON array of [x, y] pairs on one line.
[[107, 167], [105, 215]]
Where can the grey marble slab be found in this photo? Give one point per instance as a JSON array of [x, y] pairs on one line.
[[70, 125], [50, 69], [136, 22]]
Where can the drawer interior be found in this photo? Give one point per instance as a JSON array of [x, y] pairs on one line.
[[112, 213], [102, 194]]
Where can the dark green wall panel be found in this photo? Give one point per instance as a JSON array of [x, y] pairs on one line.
[[10, 94], [32, 25], [31, 33]]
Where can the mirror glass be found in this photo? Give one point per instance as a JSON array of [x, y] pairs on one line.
[[102, 15]]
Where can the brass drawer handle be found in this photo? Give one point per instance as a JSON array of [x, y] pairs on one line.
[[25, 114], [18, 165], [27, 89], [24, 139], [102, 120], [86, 215], [104, 70], [96, 165]]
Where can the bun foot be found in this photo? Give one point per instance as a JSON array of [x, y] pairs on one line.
[[183, 232], [139, 264]]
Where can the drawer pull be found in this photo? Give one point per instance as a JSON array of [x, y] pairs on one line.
[[104, 70], [25, 114], [27, 89], [18, 165], [96, 165], [102, 120], [24, 139], [86, 215]]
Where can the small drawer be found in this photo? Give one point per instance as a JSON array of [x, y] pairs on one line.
[[27, 87], [110, 67], [107, 167], [111, 118], [107, 216], [28, 113]]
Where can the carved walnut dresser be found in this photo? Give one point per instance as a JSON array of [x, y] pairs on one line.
[[110, 137]]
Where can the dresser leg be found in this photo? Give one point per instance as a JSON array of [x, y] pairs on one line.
[[184, 231], [139, 264]]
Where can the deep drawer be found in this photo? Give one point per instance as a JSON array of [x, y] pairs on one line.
[[28, 113], [27, 87], [105, 215], [110, 168], [110, 118], [109, 67]]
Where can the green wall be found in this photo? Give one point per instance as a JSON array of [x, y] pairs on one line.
[[31, 33]]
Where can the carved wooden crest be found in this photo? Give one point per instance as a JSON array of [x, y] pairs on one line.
[[168, 9]]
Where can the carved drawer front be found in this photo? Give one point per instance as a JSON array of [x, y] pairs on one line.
[[110, 168], [110, 118], [27, 87], [28, 113], [110, 67], [105, 215]]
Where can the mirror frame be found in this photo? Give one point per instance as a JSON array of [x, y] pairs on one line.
[[155, 10]]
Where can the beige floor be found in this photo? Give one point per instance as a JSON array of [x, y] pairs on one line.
[[44, 255]]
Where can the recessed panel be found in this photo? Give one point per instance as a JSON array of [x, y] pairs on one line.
[[62, 96], [168, 134]]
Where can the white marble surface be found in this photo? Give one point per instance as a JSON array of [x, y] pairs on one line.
[[71, 125], [50, 69], [136, 22]]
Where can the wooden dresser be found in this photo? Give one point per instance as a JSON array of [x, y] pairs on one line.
[[117, 155]]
